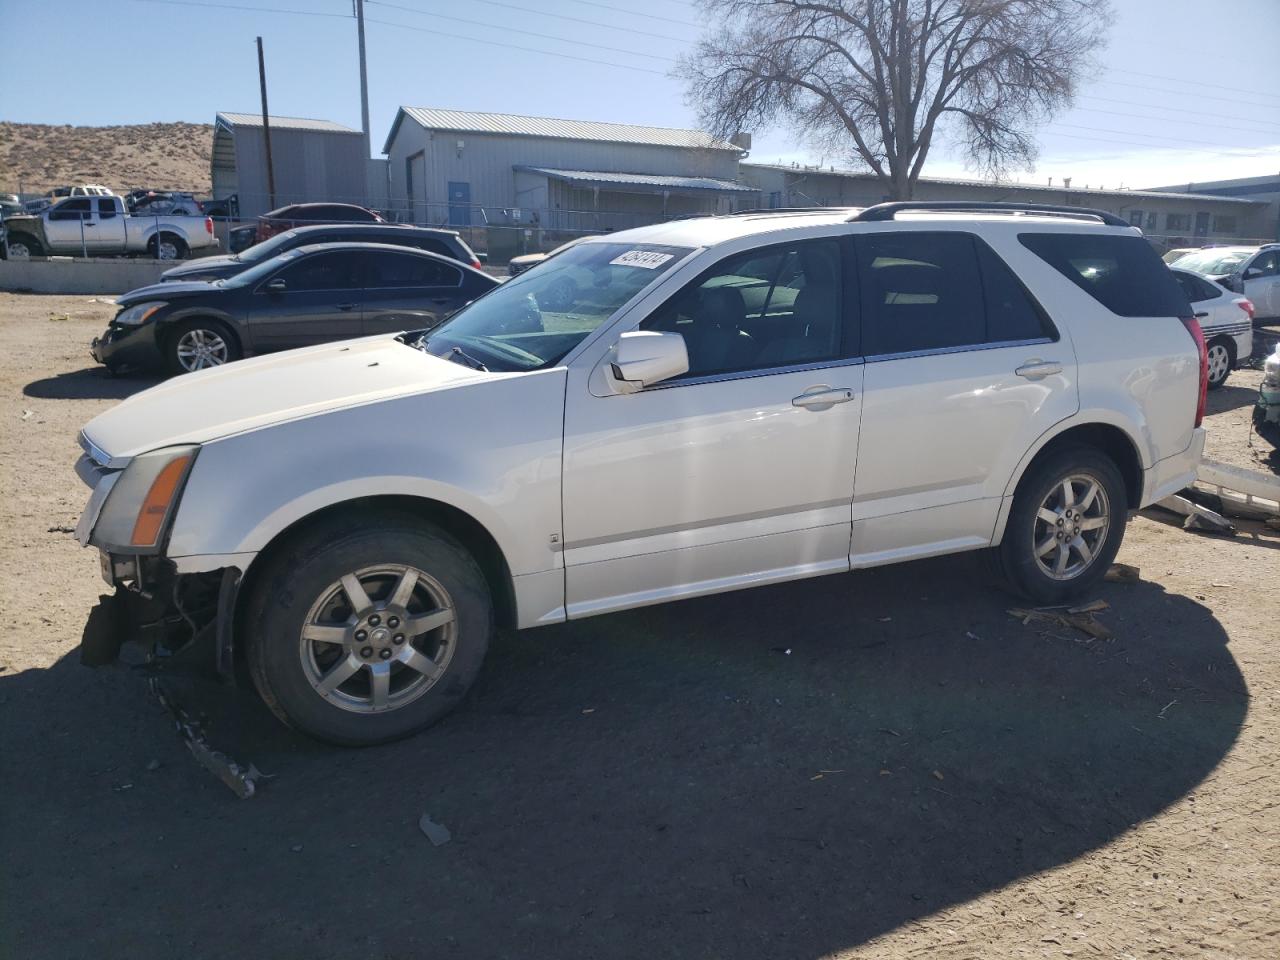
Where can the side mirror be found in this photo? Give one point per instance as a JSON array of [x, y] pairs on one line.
[[645, 357], [277, 285]]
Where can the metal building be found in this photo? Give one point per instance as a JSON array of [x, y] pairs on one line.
[[313, 160], [537, 173], [1170, 219]]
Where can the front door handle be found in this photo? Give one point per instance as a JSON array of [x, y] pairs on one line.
[[822, 397], [1038, 369], [347, 306]]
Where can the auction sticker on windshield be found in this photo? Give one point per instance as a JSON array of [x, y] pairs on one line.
[[647, 259]]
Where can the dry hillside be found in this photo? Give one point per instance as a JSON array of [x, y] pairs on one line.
[[35, 157]]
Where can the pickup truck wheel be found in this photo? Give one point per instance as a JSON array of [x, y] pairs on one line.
[[368, 629], [199, 344], [1065, 527], [167, 247], [1222, 358], [23, 247]]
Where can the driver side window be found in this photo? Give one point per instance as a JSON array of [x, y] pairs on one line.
[[774, 307]]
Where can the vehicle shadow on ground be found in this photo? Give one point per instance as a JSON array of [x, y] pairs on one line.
[[789, 771], [91, 383], [1228, 397]]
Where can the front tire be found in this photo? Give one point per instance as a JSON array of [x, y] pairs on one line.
[[1222, 360], [198, 345], [368, 628], [1065, 527], [23, 247]]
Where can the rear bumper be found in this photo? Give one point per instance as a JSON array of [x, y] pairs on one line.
[[1171, 474]]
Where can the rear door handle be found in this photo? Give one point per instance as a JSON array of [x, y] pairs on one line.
[[822, 397], [1038, 369], [347, 306]]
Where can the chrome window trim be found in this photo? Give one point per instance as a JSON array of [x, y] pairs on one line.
[[963, 348], [837, 362], [100, 456], [842, 362]]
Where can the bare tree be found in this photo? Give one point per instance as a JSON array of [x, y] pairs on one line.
[[880, 80]]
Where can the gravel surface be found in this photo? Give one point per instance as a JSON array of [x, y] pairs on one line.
[[883, 764]]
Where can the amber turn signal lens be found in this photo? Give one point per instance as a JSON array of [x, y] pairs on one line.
[[163, 489]]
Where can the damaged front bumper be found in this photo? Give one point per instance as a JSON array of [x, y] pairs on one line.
[[180, 622]]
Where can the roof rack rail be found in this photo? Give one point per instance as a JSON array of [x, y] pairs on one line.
[[759, 210], [888, 211]]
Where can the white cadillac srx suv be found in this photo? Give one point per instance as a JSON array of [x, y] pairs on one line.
[[666, 412]]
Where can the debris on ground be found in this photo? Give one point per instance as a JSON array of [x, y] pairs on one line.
[[1198, 517], [61, 529], [1080, 618], [437, 833], [242, 780], [1122, 573]]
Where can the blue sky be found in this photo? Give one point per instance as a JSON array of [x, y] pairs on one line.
[[1190, 90]]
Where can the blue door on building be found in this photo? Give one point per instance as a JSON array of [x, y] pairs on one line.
[[459, 204]]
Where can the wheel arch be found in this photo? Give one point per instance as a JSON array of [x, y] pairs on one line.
[[1109, 438], [26, 237], [456, 522], [167, 325]]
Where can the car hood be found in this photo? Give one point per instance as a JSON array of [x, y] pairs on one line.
[[249, 394], [222, 266], [168, 291]]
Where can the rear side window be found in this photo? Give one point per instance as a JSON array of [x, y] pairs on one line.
[[435, 246], [1122, 273], [1195, 288], [1011, 313], [106, 209], [396, 270]]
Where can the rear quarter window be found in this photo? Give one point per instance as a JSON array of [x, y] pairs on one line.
[[1122, 273]]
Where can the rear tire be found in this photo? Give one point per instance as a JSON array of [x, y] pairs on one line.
[[1222, 360], [1055, 548], [167, 247], [198, 345], [330, 688]]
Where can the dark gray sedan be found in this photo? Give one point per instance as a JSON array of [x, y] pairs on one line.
[[447, 243], [307, 295]]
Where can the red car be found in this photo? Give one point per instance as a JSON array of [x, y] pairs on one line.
[[309, 214]]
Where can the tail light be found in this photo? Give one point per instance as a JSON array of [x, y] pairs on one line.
[[475, 262], [208, 225], [1247, 306], [1193, 328]]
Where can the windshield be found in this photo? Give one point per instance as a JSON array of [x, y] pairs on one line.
[[536, 318], [268, 248], [259, 270], [1213, 262]]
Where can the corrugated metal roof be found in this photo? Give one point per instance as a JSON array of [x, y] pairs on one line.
[[282, 123], [466, 121], [1003, 184], [643, 180]]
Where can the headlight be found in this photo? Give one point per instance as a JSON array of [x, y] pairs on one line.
[[143, 500], [139, 314]]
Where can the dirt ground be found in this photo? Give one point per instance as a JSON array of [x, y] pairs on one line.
[[921, 774]]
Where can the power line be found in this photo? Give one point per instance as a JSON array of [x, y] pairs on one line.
[[513, 46], [1136, 133], [235, 6], [1153, 106], [1157, 76], [636, 13], [1200, 96], [561, 16], [529, 33], [1139, 116]]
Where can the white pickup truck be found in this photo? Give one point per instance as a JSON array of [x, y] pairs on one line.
[[100, 226]]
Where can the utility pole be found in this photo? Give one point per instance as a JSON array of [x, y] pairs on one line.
[[266, 126], [364, 81]]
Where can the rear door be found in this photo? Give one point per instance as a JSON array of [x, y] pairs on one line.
[[963, 372], [109, 230], [319, 302], [408, 291]]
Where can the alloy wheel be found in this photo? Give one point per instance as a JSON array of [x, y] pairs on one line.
[[378, 638], [1071, 527], [1219, 362], [200, 348], [19, 251], [167, 250]]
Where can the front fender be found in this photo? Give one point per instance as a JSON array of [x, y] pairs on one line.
[[490, 449]]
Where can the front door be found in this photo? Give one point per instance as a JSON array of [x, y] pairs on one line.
[[459, 204], [963, 373], [741, 471], [1262, 283], [405, 291], [314, 298]]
